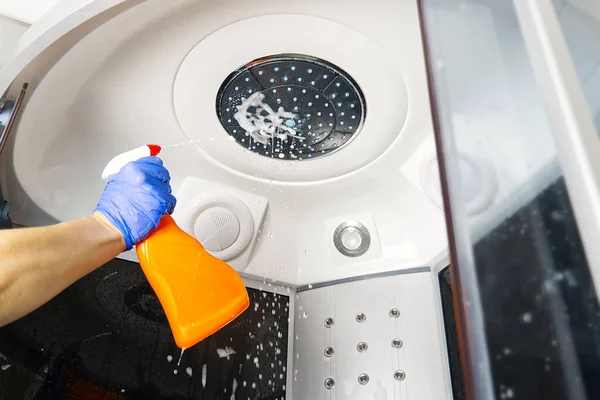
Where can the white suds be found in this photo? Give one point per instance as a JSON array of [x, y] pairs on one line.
[[233, 389], [226, 352], [264, 127], [180, 357]]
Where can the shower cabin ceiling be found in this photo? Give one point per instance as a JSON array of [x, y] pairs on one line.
[[108, 76]]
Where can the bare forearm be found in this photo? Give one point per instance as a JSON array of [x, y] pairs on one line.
[[38, 263]]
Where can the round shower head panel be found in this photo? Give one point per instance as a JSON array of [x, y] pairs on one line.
[[291, 107]]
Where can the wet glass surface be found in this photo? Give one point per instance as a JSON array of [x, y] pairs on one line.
[[542, 318], [529, 318], [106, 337], [580, 23]]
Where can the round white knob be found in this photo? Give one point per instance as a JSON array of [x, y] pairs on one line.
[[351, 238], [217, 228]]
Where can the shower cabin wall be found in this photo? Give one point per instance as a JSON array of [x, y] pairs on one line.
[[139, 72], [107, 80]]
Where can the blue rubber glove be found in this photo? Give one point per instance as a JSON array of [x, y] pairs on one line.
[[136, 198]]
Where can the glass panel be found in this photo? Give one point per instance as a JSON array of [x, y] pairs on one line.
[[580, 22], [530, 318]]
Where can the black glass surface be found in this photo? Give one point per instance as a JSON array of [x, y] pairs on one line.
[[446, 292], [106, 337], [542, 319]]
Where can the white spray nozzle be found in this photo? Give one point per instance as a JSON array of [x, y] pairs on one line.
[[118, 162]]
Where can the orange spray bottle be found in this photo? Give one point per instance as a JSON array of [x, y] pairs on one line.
[[199, 293]]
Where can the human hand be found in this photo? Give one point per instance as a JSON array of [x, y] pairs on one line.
[[136, 198]]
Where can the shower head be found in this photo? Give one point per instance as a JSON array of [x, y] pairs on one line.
[[291, 107]]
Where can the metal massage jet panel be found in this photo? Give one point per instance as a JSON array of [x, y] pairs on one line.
[[291, 107]]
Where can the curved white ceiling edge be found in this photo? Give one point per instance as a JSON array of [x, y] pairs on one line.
[[48, 17], [27, 11], [52, 27]]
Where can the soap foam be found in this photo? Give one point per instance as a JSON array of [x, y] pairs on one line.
[[264, 127], [226, 352], [204, 375]]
